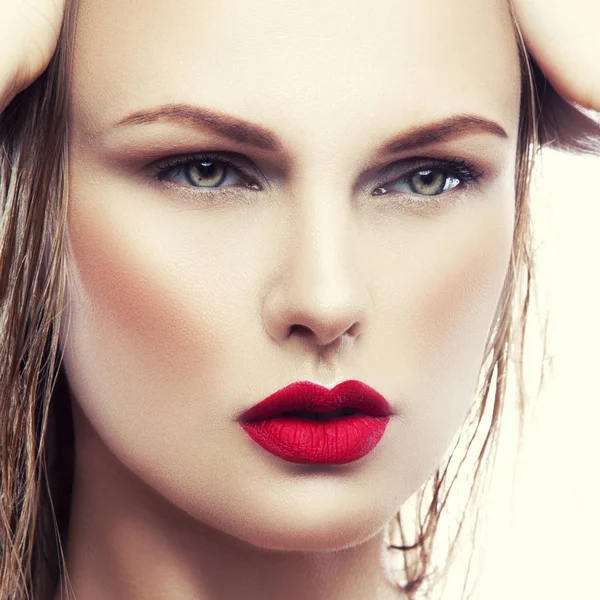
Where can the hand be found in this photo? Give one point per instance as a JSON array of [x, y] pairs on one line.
[[564, 39], [29, 31]]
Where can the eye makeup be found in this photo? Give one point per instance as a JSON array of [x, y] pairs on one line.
[[458, 171]]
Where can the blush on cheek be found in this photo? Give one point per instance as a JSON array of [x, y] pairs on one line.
[[128, 296], [462, 286], [454, 293]]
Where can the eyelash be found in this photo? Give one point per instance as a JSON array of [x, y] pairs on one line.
[[164, 167], [460, 168]]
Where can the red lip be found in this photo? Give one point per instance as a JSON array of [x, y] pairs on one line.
[[333, 440], [305, 395]]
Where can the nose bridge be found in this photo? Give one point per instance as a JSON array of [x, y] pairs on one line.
[[325, 238], [323, 291]]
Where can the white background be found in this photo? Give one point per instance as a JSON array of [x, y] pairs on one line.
[[544, 538]]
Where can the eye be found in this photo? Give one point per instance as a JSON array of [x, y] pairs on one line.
[[431, 182], [208, 171], [432, 179]]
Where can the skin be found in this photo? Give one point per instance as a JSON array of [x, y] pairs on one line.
[[184, 311], [28, 35], [563, 38]]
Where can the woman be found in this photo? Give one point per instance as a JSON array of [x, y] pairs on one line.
[[273, 207]]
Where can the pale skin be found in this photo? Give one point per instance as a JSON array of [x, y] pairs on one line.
[[185, 311]]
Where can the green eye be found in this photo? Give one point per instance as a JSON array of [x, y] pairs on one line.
[[205, 173], [432, 178], [431, 182]]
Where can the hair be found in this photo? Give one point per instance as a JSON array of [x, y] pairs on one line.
[[36, 429]]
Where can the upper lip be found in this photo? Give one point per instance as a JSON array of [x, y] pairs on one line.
[[305, 395]]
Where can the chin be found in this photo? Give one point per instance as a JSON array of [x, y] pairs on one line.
[[302, 534]]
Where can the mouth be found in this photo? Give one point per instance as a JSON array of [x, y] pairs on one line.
[[319, 416], [307, 423], [308, 400]]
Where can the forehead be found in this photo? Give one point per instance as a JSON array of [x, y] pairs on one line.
[[297, 66]]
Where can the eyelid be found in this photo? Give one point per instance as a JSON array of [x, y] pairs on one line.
[[231, 160], [453, 164], [467, 173]]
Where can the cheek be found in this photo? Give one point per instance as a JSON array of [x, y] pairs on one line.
[[439, 281], [462, 285], [123, 290], [455, 301], [445, 281], [144, 288]]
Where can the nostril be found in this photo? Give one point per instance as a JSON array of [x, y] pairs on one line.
[[301, 329]]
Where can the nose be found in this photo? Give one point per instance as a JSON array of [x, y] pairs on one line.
[[321, 294]]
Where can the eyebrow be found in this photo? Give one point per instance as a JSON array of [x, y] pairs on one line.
[[245, 132]]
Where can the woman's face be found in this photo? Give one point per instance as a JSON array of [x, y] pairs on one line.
[[316, 257]]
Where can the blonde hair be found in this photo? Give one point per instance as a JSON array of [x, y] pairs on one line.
[[36, 436]]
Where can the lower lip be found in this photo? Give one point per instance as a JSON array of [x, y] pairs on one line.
[[333, 442]]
